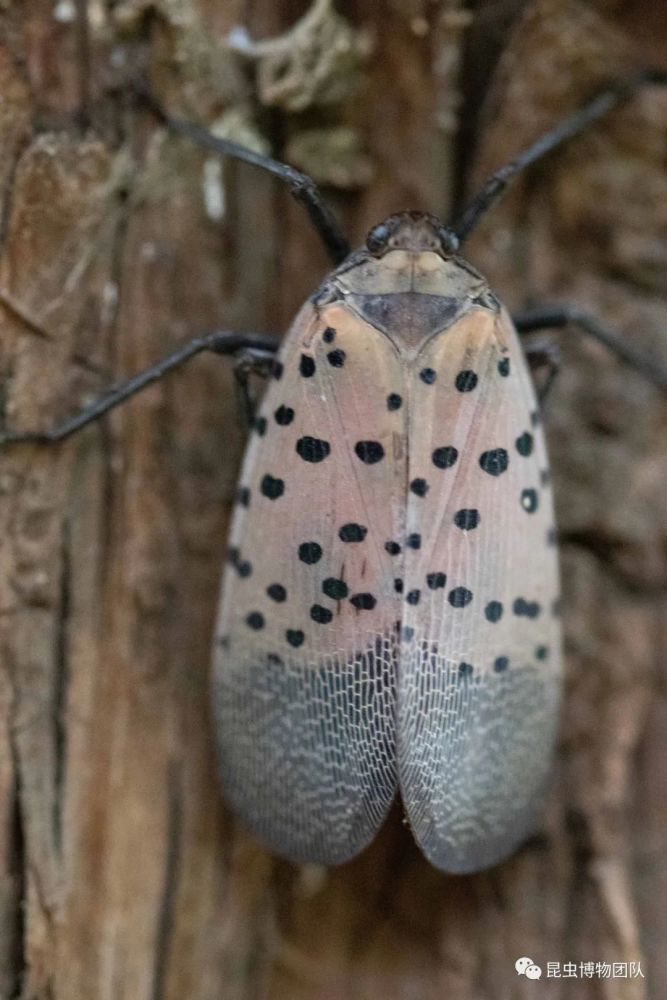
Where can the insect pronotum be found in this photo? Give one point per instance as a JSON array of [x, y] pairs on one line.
[[389, 617]]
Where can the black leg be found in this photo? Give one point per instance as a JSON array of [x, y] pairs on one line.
[[555, 317], [247, 362], [219, 342], [543, 352], [302, 186], [574, 124]]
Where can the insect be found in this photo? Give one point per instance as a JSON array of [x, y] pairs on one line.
[[389, 618]]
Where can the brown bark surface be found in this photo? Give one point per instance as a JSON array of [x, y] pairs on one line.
[[122, 876]]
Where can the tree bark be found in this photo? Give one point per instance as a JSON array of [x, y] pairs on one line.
[[121, 873]]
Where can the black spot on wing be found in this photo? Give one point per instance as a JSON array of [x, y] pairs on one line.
[[310, 552], [363, 602], [336, 358], [369, 452], [466, 381], [352, 532], [243, 496], [467, 519], [277, 592], [444, 457], [307, 366], [334, 588], [320, 615], [494, 462], [529, 500], [526, 609], [284, 415], [493, 612], [524, 444], [272, 487], [312, 449], [419, 487], [459, 597]]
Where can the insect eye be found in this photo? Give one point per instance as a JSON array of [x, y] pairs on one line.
[[376, 241], [449, 241]]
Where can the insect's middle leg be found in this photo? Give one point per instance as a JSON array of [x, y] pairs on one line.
[[251, 361], [218, 342], [543, 352], [558, 316]]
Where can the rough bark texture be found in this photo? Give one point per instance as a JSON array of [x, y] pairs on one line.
[[121, 875]]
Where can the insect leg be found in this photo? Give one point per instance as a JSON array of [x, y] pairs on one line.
[[555, 317], [613, 96], [302, 187], [542, 352], [219, 342], [251, 361]]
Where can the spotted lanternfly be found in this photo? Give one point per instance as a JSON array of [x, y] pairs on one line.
[[398, 628], [389, 619]]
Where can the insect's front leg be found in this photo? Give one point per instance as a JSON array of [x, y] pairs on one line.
[[302, 187], [218, 342]]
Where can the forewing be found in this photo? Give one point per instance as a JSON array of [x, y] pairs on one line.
[[304, 675], [480, 657]]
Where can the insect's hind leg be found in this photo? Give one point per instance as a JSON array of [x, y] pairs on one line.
[[559, 316], [218, 342]]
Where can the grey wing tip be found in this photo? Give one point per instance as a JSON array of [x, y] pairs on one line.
[[477, 853], [306, 762], [307, 846]]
